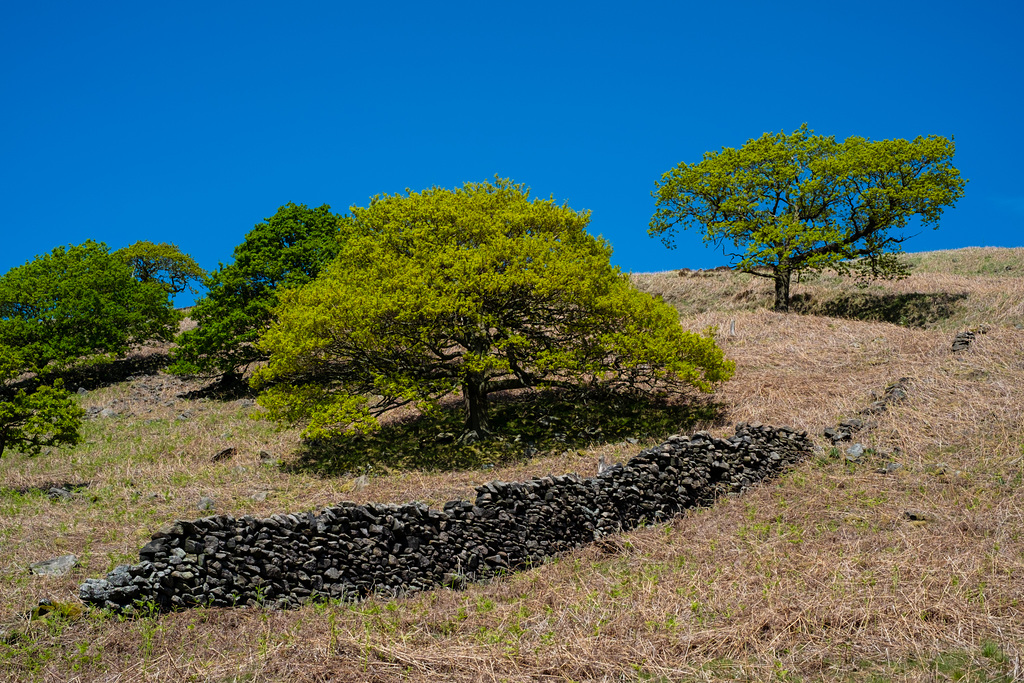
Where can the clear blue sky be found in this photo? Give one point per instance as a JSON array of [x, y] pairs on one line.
[[189, 122]]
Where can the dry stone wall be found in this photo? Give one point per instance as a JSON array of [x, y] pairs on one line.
[[351, 551]]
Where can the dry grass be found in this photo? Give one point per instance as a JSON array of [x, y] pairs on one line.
[[820, 575], [946, 290]]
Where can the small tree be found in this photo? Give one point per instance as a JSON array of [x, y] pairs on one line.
[[32, 420], [78, 301], [164, 264], [469, 291], [287, 250], [804, 202]]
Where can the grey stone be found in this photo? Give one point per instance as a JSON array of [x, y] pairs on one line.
[[284, 559], [856, 451], [59, 493], [206, 503], [109, 412], [58, 566], [82, 391], [260, 496]]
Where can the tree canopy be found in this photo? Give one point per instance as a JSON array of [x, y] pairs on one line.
[[78, 301], [286, 250], [163, 263], [782, 204], [469, 291], [31, 420], [75, 301]]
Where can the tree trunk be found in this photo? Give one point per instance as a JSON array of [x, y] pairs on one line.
[[782, 290], [475, 398]]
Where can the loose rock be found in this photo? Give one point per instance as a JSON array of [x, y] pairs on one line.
[[58, 566]]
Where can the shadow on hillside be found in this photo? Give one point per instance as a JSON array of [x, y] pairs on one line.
[[523, 425], [97, 374], [914, 309], [226, 387]]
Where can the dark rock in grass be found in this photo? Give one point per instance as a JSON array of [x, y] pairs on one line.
[[836, 435], [225, 454], [962, 341]]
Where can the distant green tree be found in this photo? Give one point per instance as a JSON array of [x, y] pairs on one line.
[[470, 291], [804, 202], [163, 263], [79, 301], [32, 420], [286, 250]]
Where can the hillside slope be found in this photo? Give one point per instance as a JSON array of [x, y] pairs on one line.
[[905, 563]]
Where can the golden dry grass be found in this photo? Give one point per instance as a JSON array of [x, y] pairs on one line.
[[819, 575]]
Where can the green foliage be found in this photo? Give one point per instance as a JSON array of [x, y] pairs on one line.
[[475, 290], [78, 301], [287, 250], [163, 263], [33, 420], [804, 202]]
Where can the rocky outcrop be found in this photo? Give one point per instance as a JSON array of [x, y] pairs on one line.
[[351, 551]]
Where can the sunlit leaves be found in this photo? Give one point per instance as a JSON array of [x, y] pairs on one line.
[[163, 263], [78, 301], [474, 290], [805, 202]]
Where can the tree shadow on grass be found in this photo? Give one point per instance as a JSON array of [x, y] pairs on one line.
[[93, 373], [523, 425], [914, 309]]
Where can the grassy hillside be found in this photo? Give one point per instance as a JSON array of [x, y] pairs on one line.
[[946, 290], [907, 564]]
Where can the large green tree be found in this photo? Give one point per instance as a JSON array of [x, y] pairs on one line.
[[163, 263], [782, 204], [74, 302], [78, 301], [469, 291], [286, 250]]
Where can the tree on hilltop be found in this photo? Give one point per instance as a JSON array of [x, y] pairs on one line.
[[469, 291], [805, 202], [163, 263]]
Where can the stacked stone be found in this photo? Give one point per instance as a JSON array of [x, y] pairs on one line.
[[351, 551]]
